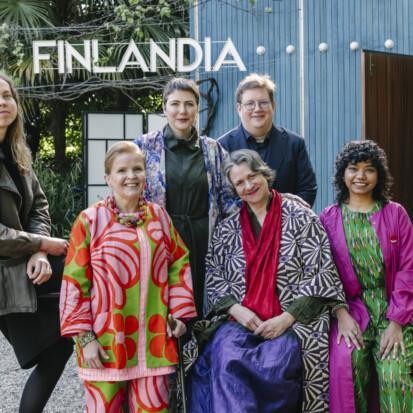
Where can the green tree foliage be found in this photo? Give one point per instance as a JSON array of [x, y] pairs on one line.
[[52, 99], [53, 103]]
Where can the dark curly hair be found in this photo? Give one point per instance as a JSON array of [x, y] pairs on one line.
[[362, 151]]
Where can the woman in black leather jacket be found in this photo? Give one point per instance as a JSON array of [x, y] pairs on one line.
[[29, 316]]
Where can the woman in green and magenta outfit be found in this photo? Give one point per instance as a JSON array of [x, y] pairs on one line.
[[371, 343], [127, 271]]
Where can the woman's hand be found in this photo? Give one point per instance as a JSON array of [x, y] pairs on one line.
[[276, 326], [245, 317], [175, 327], [392, 340], [348, 329], [92, 353], [54, 246], [38, 268]]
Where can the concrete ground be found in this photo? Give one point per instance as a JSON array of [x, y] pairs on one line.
[[68, 396]]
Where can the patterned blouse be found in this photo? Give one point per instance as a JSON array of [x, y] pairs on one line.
[[121, 283], [367, 258], [305, 269]]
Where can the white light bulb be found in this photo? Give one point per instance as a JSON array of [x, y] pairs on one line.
[[290, 49], [260, 50], [389, 44], [323, 47], [354, 46]]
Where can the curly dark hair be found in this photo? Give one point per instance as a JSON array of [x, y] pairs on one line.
[[362, 151]]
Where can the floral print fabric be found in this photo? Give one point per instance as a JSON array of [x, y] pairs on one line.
[[121, 283], [221, 199]]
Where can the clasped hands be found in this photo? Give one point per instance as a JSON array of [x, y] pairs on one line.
[[271, 328], [391, 341]]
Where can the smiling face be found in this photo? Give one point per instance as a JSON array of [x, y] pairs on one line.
[[252, 187], [127, 179], [257, 121], [8, 108], [361, 179], [181, 110]]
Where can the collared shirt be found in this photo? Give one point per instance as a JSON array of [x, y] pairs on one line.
[[261, 147], [284, 152], [172, 142]]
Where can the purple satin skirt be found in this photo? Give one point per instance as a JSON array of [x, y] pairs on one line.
[[241, 372]]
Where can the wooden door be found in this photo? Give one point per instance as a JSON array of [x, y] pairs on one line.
[[388, 116]]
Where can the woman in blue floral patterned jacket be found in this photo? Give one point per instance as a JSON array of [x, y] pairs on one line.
[[184, 174]]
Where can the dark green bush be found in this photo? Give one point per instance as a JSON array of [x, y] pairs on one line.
[[64, 193]]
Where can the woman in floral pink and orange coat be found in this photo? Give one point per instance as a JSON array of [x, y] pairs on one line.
[[126, 272]]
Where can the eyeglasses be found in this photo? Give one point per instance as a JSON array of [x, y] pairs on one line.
[[262, 104]]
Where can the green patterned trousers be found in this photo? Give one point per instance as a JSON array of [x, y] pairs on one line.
[[395, 376]]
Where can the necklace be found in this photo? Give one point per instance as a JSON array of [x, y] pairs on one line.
[[129, 219]]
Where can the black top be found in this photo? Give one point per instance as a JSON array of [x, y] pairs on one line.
[[31, 334], [285, 153], [187, 202], [13, 170]]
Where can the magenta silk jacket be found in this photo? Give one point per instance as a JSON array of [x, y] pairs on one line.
[[394, 231]]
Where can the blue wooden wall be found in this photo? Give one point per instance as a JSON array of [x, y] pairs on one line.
[[333, 88]]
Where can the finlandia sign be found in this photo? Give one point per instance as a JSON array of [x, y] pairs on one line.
[[133, 57]]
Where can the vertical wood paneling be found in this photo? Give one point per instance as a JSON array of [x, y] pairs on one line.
[[332, 79], [250, 27]]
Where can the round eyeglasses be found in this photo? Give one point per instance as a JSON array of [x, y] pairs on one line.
[[251, 104]]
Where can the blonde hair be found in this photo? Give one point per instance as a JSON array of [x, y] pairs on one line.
[[255, 81], [120, 148], [15, 134]]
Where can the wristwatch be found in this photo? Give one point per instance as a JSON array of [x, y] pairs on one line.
[[86, 338]]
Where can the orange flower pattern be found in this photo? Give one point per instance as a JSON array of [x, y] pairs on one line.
[[101, 289]]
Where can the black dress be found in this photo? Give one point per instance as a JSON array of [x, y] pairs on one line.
[[32, 333], [187, 202]]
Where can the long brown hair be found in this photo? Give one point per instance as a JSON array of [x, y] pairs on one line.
[[15, 134]]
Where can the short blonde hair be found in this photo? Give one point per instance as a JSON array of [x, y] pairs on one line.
[[255, 81], [120, 148]]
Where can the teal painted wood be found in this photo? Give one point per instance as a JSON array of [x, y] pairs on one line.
[[333, 86]]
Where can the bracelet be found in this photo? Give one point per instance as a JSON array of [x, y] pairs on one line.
[[86, 338]]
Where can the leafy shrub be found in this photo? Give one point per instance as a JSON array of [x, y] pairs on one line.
[[64, 193]]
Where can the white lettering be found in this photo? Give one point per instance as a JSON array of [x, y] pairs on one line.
[[181, 67], [230, 49], [156, 51], [139, 62], [207, 54], [37, 56], [61, 56], [171, 56], [95, 58], [85, 60]]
